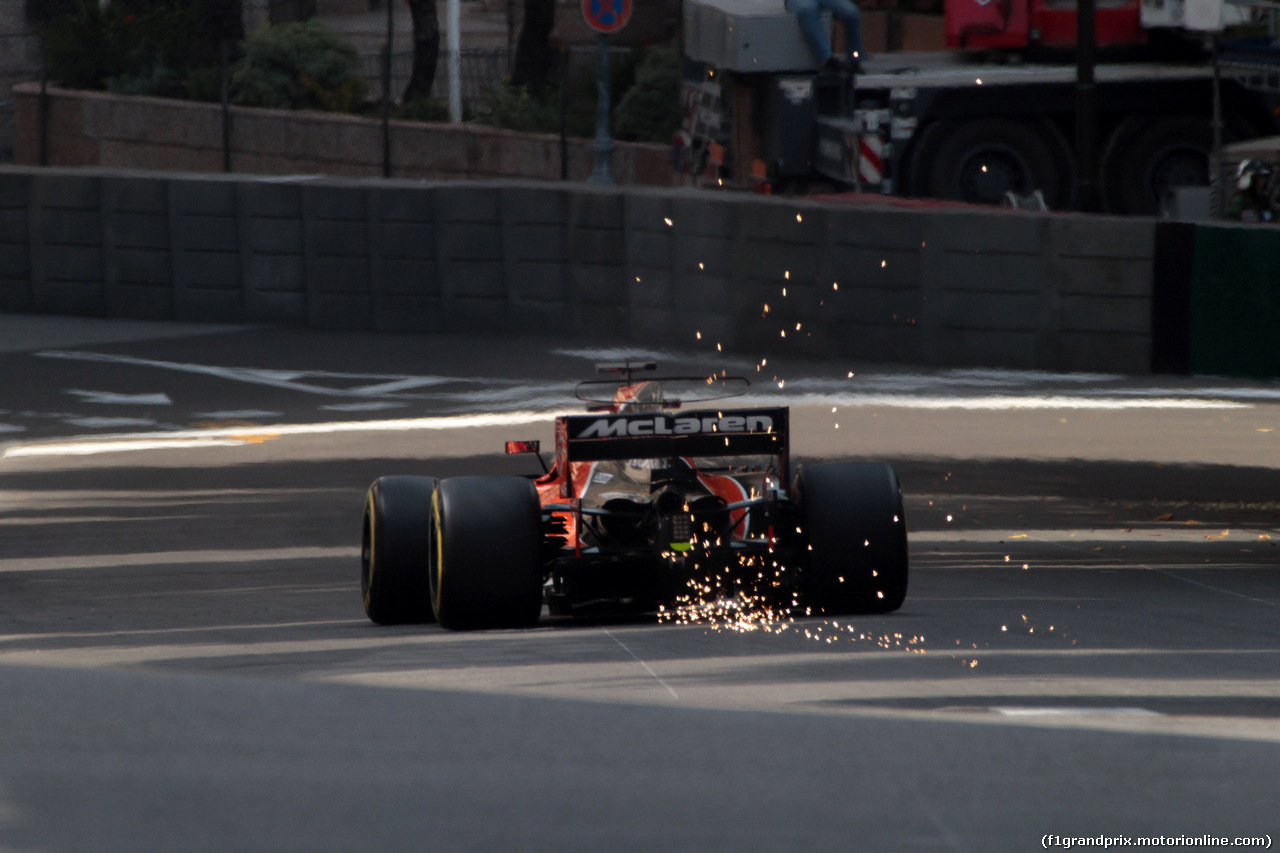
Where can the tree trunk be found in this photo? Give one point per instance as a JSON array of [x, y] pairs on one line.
[[533, 50], [426, 48]]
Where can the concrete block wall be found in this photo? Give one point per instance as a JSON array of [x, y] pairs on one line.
[[403, 277], [15, 243], [535, 256], [137, 273], [657, 267], [1104, 291], [941, 286], [272, 271], [204, 250], [876, 296], [335, 257], [66, 257], [985, 289], [116, 131], [471, 274], [650, 276]]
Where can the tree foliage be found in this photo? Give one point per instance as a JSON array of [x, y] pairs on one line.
[[302, 65], [644, 89], [156, 48], [650, 110]]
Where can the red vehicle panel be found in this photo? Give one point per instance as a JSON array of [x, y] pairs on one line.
[[1017, 24]]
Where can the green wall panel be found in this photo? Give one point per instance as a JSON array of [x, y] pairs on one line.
[[1235, 301]]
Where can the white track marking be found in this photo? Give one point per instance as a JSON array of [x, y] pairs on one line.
[[110, 423], [92, 448], [619, 353], [1264, 394], [1169, 573], [288, 379], [1211, 588], [239, 414], [952, 389], [172, 558], [992, 402], [407, 383], [371, 406], [110, 398], [234, 435], [647, 669], [1013, 711]]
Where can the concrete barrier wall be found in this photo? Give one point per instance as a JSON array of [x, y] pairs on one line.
[[661, 267], [117, 131]]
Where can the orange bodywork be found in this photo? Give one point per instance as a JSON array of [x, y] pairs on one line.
[[551, 490]]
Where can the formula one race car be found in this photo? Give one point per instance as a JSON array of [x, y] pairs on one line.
[[648, 506]]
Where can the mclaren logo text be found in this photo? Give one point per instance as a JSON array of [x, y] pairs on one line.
[[676, 425]]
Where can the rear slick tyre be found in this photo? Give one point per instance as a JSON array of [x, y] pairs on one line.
[[856, 532], [486, 542], [394, 550]]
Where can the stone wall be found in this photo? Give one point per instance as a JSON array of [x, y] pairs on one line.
[[102, 129]]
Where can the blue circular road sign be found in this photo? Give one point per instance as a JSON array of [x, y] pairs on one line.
[[606, 16]]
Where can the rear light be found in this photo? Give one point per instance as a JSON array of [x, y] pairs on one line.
[[680, 535], [523, 446]]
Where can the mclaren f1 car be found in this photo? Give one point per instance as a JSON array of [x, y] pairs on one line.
[[652, 502]]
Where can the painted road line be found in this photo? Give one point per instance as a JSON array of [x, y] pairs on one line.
[[960, 389], [235, 435], [1013, 711], [239, 415], [174, 558], [110, 423], [288, 379], [111, 398], [992, 402]]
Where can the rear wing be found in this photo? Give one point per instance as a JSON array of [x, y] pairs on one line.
[[668, 435]]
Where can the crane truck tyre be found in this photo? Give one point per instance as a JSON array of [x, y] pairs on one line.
[[1145, 157], [979, 161], [856, 531], [394, 550], [486, 537]]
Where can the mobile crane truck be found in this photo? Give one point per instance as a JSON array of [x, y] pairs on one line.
[[954, 125]]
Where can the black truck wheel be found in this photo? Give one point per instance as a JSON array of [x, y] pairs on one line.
[[855, 530], [1146, 156], [486, 541], [979, 161], [394, 550]]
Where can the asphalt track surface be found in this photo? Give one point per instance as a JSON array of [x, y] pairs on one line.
[[1089, 646]]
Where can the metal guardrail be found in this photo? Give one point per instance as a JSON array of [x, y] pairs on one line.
[[1254, 63], [1255, 76], [481, 70]]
